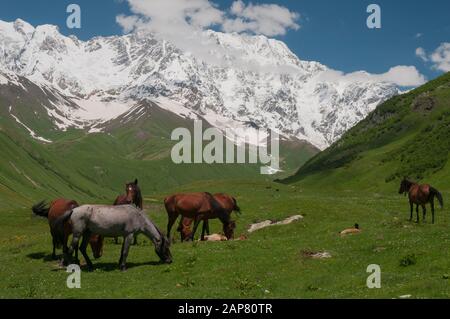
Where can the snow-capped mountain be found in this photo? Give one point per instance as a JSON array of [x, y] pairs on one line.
[[253, 80]]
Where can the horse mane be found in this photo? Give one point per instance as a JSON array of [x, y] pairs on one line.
[[218, 209], [139, 200]]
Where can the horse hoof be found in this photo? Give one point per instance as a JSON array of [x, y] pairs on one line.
[[123, 269]]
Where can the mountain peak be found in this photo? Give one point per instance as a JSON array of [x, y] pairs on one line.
[[256, 79]]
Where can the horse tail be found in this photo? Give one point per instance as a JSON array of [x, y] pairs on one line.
[[41, 209], [236, 208], [218, 209], [435, 192], [58, 226]]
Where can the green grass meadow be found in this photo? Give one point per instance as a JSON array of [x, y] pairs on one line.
[[414, 258]]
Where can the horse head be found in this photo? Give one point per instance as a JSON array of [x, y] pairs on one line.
[[228, 229], [132, 192], [96, 242], [163, 249], [404, 186]]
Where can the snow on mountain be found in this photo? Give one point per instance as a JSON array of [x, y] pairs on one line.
[[253, 80]]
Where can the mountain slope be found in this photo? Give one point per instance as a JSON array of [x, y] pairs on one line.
[[38, 160], [409, 135], [255, 79]]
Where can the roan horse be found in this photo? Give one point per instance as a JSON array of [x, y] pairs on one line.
[[420, 195], [132, 196], [56, 209], [198, 207], [111, 221], [228, 202]]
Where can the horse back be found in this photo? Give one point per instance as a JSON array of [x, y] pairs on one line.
[[188, 205], [420, 194], [57, 208], [121, 200]]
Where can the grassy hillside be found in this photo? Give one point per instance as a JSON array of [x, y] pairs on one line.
[[91, 167], [408, 135]]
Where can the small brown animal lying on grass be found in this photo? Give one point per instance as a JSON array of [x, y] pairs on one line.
[[351, 231]]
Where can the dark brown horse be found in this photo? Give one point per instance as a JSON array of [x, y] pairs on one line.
[[56, 209], [198, 207], [228, 203], [133, 196], [420, 195]]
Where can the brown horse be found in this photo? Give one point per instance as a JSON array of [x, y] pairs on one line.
[[133, 196], [228, 203], [420, 195], [198, 207], [56, 209]]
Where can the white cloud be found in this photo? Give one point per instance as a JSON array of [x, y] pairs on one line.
[[440, 58], [404, 76], [420, 52], [183, 22], [268, 19]]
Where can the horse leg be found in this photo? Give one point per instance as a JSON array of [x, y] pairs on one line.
[[125, 249], [74, 247], [207, 227], [121, 251], [424, 212], [432, 210], [197, 222], [54, 248], [202, 238], [412, 208], [417, 211], [116, 240], [67, 255], [172, 220], [135, 240], [83, 246]]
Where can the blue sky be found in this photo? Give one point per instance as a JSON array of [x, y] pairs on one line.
[[331, 32]]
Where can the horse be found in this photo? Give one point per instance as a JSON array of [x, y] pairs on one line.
[[198, 207], [420, 195], [56, 209], [228, 202], [111, 221], [132, 195]]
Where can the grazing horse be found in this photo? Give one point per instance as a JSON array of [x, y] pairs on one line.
[[56, 209], [420, 195], [228, 202], [111, 221], [132, 196], [198, 207]]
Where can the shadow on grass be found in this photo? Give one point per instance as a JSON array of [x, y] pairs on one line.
[[107, 267], [43, 256]]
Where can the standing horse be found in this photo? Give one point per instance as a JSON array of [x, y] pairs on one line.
[[227, 202], [420, 195], [198, 207], [56, 209], [133, 196], [111, 221]]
